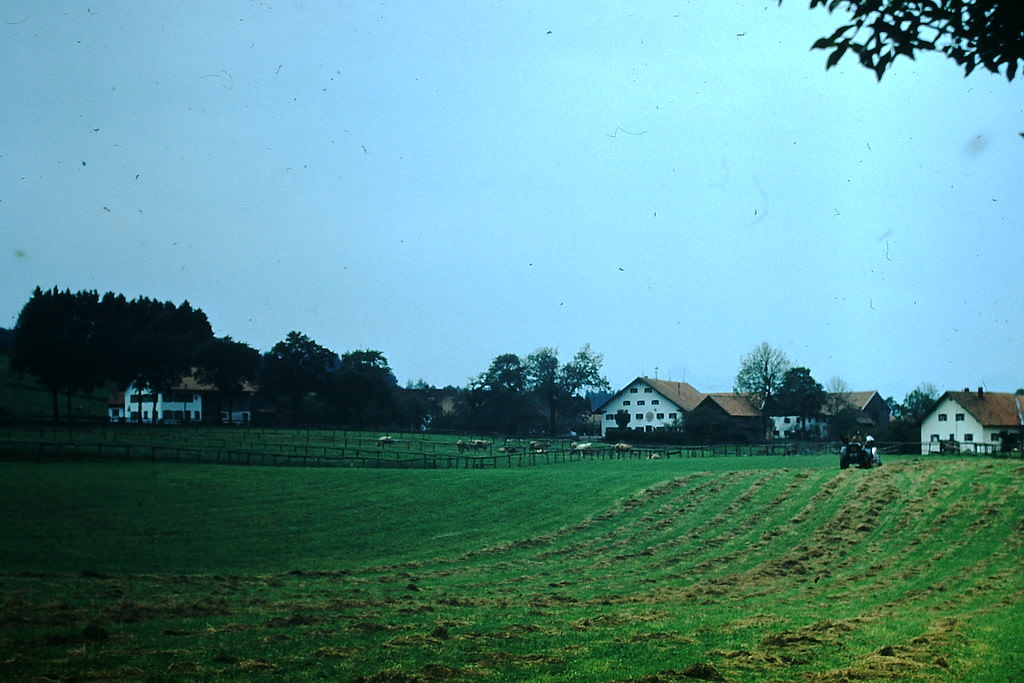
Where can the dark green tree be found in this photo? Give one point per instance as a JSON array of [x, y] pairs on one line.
[[296, 368], [973, 33], [363, 389], [165, 340], [560, 387], [910, 414], [6, 340], [500, 394], [117, 331], [800, 395], [622, 418], [918, 403], [227, 365], [542, 379], [55, 340]]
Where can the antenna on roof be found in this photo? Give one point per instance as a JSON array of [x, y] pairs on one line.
[[655, 372]]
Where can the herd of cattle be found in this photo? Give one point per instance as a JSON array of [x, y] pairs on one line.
[[531, 447]]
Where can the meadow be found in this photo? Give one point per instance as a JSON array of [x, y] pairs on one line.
[[760, 568]]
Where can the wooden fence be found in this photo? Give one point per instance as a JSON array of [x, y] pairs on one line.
[[356, 451], [368, 454]]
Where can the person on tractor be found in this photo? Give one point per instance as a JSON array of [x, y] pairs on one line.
[[872, 451], [854, 453]]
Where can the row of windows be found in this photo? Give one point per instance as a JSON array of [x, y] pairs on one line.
[[945, 418], [171, 397], [965, 437], [636, 390], [169, 415], [610, 417], [654, 402]]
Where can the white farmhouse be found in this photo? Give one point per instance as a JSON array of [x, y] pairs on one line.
[[650, 403], [975, 421], [187, 401]]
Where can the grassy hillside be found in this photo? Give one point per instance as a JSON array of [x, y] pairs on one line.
[[23, 398], [726, 569]]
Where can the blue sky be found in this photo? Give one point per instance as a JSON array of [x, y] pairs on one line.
[[671, 182]]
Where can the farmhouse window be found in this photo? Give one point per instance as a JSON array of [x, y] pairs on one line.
[[995, 437], [633, 390], [655, 402], [609, 418], [959, 417], [648, 390], [671, 416], [943, 417], [639, 416], [625, 403], [968, 437], [935, 437], [661, 416], [640, 403]]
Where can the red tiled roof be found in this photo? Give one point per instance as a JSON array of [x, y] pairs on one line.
[[857, 400], [736, 405], [991, 409], [680, 393]]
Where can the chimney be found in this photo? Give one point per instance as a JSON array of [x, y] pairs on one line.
[[981, 393]]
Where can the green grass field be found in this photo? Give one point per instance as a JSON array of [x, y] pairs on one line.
[[739, 569]]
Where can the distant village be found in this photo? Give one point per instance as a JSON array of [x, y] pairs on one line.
[[162, 364]]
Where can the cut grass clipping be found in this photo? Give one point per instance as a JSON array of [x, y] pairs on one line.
[[737, 569]]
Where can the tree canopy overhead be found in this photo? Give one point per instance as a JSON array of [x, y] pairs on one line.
[[973, 33]]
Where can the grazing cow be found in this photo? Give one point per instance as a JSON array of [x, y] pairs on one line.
[[385, 441], [654, 456], [622, 447], [581, 446], [539, 446]]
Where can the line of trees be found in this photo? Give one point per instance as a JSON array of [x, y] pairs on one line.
[[81, 341], [777, 388], [534, 394], [78, 341]]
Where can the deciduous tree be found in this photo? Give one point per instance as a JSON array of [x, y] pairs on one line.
[[296, 368], [363, 388], [227, 365], [501, 398], [973, 33], [760, 375], [559, 387]]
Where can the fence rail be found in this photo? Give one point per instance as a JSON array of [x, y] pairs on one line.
[[343, 450]]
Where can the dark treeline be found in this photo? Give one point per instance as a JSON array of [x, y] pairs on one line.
[[535, 394], [83, 342]]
